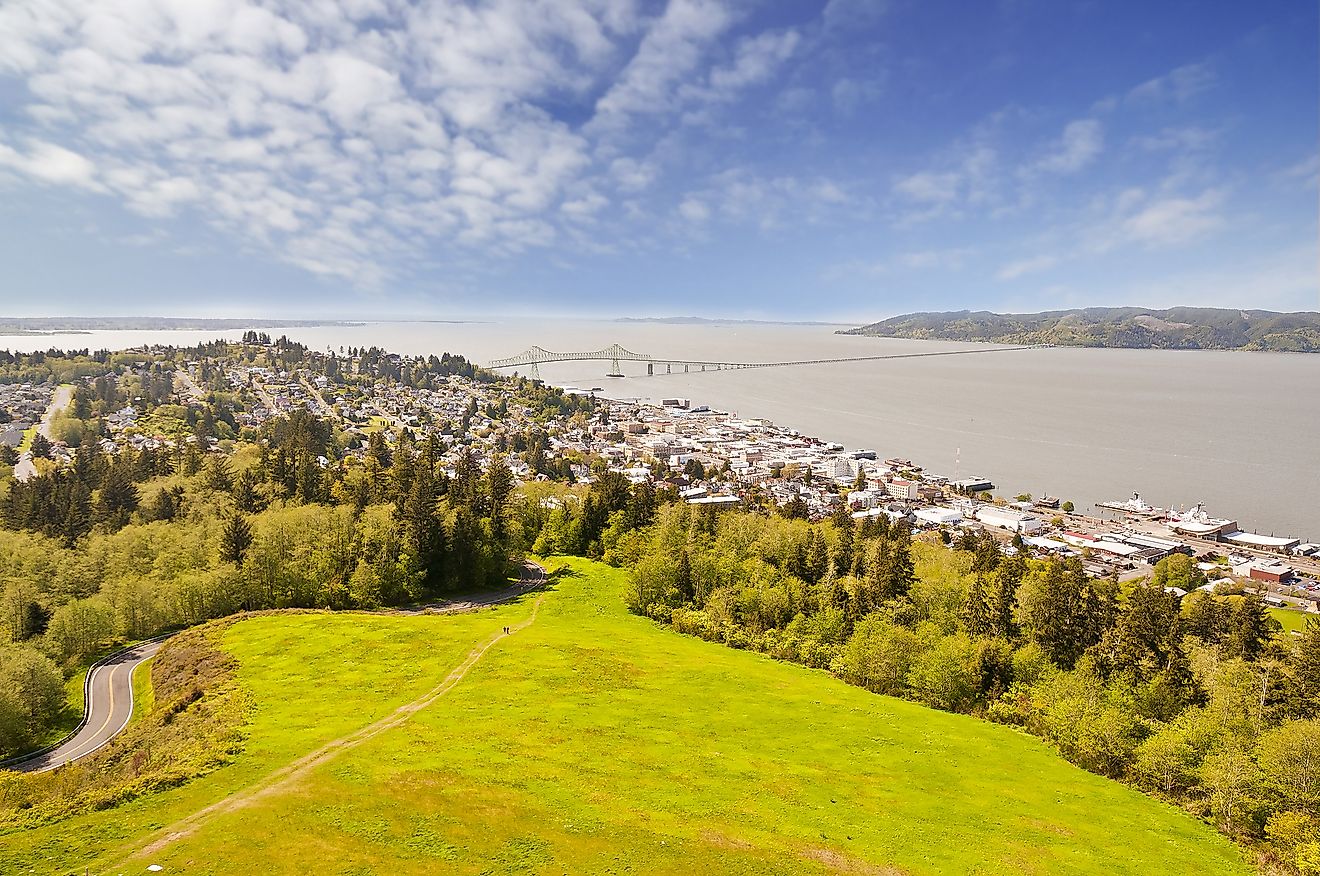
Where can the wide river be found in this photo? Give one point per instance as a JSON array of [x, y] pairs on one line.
[[1237, 431]]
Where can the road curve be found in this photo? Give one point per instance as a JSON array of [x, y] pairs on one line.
[[109, 706], [109, 685]]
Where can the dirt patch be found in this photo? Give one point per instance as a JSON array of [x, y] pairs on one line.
[[839, 862], [723, 841]]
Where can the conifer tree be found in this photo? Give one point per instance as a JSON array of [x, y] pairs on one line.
[[975, 615], [1305, 671], [78, 517], [1250, 629], [497, 488], [235, 539], [219, 475], [900, 574]]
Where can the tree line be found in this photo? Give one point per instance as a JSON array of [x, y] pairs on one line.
[[1200, 700]]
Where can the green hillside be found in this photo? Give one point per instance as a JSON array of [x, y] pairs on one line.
[[595, 741], [1177, 328]]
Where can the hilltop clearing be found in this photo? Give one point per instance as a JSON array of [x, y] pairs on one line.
[[590, 740]]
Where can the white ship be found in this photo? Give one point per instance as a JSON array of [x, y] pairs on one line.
[[1135, 505]]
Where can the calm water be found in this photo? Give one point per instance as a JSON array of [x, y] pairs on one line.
[[1238, 431]]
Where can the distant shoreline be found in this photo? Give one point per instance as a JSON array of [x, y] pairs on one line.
[[1115, 328], [702, 320], [49, 325]]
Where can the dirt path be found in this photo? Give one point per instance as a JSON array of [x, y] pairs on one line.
[[287, 776]]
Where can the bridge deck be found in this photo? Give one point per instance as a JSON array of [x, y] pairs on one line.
[[618, 354]]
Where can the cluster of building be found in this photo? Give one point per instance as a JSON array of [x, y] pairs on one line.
[[21, 407], [747, 456], [741, 460]]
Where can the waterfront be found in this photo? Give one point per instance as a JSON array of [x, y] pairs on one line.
[[1237, 431]]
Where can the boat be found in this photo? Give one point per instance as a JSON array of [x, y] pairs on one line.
[[1136, 505]]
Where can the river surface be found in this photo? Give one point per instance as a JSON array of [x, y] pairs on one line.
[[1238, 431]]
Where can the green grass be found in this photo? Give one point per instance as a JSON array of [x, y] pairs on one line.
[[144, 695], [25, 443], [594, 741], [1291, 620]]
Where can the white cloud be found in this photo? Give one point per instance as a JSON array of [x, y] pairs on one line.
[[1022, 267], [350, 136], [671, 49], [1178, 139], [694, 210], [1171, 221], [1177, 86], [1080, 143], [756, 58], [929, 188], [50, 163]]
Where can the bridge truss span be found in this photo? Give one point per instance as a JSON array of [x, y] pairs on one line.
[[535, 356]]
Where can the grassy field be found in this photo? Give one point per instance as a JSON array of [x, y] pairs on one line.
[[1291, 620], [593, 741]]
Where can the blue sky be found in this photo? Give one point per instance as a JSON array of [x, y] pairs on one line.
[[807, 160]]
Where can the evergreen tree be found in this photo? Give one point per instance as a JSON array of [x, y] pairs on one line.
[[1207, 617], [872, 590], [78, 517], [843, 554], [219, 475], [683, 577], [1250, 628], [900, 573], [1144, 639], [424, 531], [1305, 671], [1065, 612], [235, 539], [818, 557], [165, 504], [976, 613], [988, 555], [498, 488], [40, 447], [464, 487], [118, 499], [245, 492]]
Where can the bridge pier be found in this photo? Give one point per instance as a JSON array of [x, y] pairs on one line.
[[669, 367], [650, 369]]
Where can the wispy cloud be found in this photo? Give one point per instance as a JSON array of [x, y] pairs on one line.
[[1022, 267], [1078, 145], [1178, 85]]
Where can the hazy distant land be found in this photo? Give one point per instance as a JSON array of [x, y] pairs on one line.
[[44, 325], [702, 320], [1177, 328]]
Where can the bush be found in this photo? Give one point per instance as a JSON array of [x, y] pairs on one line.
[[31, 696]]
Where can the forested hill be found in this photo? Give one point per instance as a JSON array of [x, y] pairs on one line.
[[1178, 328]]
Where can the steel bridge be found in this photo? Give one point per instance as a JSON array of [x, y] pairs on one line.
[[614, 353]]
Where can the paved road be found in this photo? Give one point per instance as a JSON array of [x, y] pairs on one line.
[[109, 706], [25, 469], [110, 696]]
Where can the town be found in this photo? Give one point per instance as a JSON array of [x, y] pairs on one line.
[[202, 400]]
